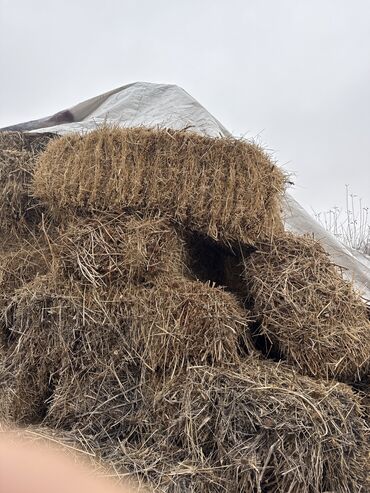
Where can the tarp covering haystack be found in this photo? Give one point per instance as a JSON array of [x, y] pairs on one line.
[[155, 314]]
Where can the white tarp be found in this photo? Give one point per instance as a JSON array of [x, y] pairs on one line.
[[163, 105]]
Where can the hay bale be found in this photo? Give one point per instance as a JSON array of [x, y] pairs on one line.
[[34, 348], [226, 188], [71, 349], [20, 263], [114, 250], [257, 427], [179, 323], [314, 319], [159, 332]]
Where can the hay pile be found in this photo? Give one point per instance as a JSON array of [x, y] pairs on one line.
[[133, 312], [313, 318], [258, 424]]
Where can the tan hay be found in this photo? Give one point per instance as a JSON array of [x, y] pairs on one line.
[[150, 370], [258, 427], [24, 141], [166, 329], [21, 263], [34, 350], [111, 249], [17, 208], [179, 323], [18, 211], [226, 188], [312, 316], [67, 338]]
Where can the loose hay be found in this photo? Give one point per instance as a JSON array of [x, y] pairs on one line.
[[312, 316], [115, 250], [106, 339], [21, 263], [226, 188], [18, 210], [63, 341], [24, 141], [258, 427]]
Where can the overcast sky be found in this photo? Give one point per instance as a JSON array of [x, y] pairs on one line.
[[294, 72]]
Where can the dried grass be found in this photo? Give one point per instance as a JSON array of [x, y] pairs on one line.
[[68, 342], [109, 346], [313, 318], [23, 141], [18, 210], [21, 263], [228, 189], [115, 250], [257, 427]]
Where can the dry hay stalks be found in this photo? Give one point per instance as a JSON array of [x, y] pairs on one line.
[[163, 468], [20, 263], [313, 318], [168, 329], [73, 351], [256, 427], [114, 250], [25, 141], [18, 210], [228, 189]]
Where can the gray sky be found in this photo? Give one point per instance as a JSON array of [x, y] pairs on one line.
[[294, 72]]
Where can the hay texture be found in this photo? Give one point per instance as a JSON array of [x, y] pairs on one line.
[[228, 189], [314, 319], [257, 427], [18, 210], [116, 250], [81, 341], [118, 336], [21, 262], [24, 141]]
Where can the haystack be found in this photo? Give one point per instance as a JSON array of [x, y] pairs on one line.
[[255, 427], [64, 341], [120, 333], [118, 249], [265, 428], [228, 189], [313, 317]]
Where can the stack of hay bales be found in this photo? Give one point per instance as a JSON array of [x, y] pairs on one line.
[[156, 273]]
